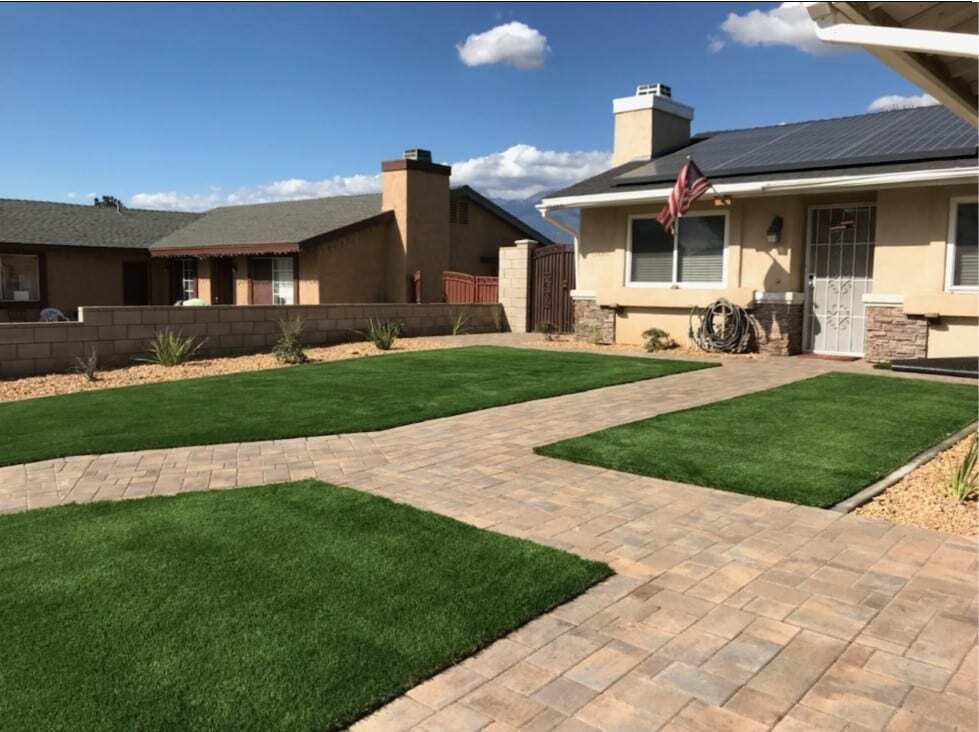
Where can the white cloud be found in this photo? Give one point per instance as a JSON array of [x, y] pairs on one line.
[[896, 101], [715, 43], [521, 171], [787, 25], [518, 172], [513, 43]]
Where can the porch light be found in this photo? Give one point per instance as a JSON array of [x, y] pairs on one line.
[[775, 230]]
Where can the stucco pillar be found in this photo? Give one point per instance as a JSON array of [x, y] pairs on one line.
[[514, 285]]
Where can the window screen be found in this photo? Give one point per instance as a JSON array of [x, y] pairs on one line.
[[652, 252], [700, 249]]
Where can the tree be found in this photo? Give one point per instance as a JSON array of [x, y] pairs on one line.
[[108, 202]]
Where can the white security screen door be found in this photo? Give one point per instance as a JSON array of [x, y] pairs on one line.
[[839, 273]]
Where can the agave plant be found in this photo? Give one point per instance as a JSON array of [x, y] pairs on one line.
[[171, 348], [964, 482], [383, 333]]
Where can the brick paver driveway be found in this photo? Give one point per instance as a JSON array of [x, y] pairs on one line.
[[727, 612]]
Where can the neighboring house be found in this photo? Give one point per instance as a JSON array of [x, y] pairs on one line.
[[65, 256], [853, 236], [341, 249], [346, 248]]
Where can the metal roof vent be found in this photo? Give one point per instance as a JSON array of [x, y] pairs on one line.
[[416, 153], [659, 90]]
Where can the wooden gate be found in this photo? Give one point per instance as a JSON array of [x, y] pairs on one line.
[[551, 283], [459, 288]]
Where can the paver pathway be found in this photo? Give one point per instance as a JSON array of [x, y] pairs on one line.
[[727, 612]]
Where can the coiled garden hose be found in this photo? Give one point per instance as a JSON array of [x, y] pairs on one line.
[[723, 327]]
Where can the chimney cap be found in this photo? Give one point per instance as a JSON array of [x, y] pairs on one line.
[[659, 89], [419, 154]]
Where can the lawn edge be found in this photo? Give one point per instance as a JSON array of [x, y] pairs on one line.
[[873, 490]]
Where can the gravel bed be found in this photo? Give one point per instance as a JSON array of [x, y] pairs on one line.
[[54, 384], [921, 498]]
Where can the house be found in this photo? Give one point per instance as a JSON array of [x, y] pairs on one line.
[[364, 248], [852, 236], [346, 248], [65, 255]]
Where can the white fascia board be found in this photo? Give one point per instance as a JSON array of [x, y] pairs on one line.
[[901, 39], [842, 182], [651, 101]]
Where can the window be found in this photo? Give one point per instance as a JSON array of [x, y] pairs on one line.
[[962, 263], [282, 281], [188, 279], [693, 256], [19, 278]]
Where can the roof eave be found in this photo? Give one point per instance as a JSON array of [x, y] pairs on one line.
[[769, 187]]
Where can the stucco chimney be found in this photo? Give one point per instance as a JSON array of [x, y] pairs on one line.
[[417, 191], [648, 124]]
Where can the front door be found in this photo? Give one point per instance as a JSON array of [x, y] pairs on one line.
[[260, 271], [222, 281], [135, 283], [840, 268]]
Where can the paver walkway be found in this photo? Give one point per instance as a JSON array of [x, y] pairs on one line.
[[727, 612]]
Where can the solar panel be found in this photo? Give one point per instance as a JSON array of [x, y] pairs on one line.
[[912, 134]]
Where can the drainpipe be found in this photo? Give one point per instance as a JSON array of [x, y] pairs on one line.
[[575, 235]]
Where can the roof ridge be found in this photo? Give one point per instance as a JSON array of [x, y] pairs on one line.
[[90, 206], [810, 121], [289, 200]]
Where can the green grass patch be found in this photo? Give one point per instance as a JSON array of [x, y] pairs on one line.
[[814, 442], [301, 401], [295, 606]]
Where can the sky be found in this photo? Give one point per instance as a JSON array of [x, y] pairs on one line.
[[187, 106]]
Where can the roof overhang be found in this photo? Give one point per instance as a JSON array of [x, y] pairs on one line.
[[223, 250], [770, 187], [932, 45]]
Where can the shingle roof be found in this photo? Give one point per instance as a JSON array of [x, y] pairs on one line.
[[286, 222], [898, 140], [69, 224]]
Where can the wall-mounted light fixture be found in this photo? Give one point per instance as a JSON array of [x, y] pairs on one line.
[[775, 230]]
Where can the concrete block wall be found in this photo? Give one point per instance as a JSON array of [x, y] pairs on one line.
[[120, 333], [514, 284]]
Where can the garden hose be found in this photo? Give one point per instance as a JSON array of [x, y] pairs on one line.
[[723, 327]]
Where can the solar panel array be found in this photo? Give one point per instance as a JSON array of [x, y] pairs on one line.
[[906, 135]]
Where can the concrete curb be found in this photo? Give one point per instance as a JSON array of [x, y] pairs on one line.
[[875, 489]]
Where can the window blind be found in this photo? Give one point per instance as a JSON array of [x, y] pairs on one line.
[[652, 252], [700, 249], [966, 246]]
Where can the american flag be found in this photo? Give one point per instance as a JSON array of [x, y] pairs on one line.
[[690, 185]]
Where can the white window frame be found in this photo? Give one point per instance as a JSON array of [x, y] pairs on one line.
[[185, 265], [278, 283], [674, 285], [37, 278], [953, 210]]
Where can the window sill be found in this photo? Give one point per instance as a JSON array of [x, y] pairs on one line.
[[678, 285]]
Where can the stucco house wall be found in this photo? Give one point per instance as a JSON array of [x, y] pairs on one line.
[[474, 246], [909, 263]]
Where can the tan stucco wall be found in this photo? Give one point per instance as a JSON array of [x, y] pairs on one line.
[[83, 276], [909, 261], [953, 337], [643, 133], [481, 237], [353, 268]]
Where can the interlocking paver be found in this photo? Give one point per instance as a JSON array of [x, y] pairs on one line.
[[728, 612]]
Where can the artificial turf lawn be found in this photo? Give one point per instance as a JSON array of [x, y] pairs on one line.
[[294, 606], [357, 395], [814, 442]]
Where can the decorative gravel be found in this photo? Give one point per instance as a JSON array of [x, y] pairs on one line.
[[144, 373], [921, 498]]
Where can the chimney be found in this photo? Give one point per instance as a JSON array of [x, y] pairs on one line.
[[417, 191], [649, 124]]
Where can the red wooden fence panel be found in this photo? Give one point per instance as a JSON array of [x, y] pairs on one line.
[[459, 288]]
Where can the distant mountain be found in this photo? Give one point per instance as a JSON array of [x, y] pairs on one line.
[[523, 209]]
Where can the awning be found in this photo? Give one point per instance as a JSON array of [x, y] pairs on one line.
[[224, 250], [934, 45]]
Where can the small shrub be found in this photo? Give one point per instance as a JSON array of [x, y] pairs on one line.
[[547, 329], [964, 483], [883, 365], [383, 333], [656, 339], [88, 365], [169, 348], [459, 321], [290, 347]]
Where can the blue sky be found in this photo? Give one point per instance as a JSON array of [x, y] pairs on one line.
[[187, 106]]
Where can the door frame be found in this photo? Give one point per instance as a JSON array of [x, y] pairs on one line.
[[807, 288], [295, 275]]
